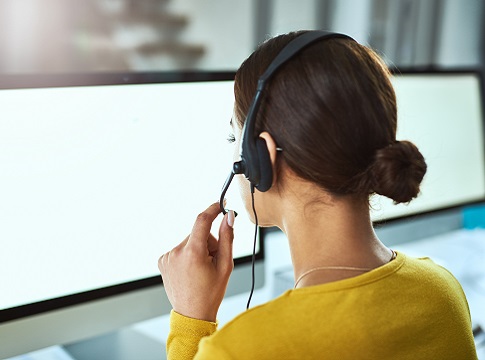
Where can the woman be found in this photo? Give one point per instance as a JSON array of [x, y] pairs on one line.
[[329, 122]]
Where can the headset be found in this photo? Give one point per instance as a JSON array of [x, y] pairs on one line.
[[255, 161]]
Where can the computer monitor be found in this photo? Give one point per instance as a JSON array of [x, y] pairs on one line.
[[439, 111], [442, 113], [99, 176]]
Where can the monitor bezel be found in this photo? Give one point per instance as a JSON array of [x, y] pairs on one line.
[[34, 81]]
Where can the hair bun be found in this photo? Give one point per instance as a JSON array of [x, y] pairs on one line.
[[398, 170]]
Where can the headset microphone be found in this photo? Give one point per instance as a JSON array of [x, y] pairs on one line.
[[237, 168]]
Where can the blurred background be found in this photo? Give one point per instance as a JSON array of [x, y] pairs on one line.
[[71, 36], [139, 36]]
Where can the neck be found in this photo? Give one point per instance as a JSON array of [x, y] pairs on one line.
[[332, 233]]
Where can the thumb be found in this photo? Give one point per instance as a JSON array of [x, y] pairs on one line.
[[226, 237]]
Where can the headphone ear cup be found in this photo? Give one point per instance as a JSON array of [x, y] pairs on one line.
[[265, 167]]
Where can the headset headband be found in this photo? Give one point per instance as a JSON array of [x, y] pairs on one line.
[[255, 163], [250, 162]]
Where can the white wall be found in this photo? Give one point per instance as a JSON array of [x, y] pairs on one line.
[[290, 15], [224, 27], [353, 18], [461, 33], [227, 30], [227, 27]]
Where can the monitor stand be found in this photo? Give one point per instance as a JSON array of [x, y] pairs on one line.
[[124, 344]]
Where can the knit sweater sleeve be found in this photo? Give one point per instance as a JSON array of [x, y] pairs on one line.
[[185, 335]]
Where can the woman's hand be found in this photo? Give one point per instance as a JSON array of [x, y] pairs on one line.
[[196, 272]]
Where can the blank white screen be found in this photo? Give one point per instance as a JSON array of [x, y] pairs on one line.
[[442, 115], [98, 182]]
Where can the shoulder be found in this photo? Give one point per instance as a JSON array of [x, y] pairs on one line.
[[428, 272], [434, 282]]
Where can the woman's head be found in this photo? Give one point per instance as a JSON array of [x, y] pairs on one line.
[[332, 110]]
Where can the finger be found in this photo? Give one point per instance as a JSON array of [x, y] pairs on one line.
[[226, 239], [202, 226], [182, 244], [161, 263], [162, 266], [212, 244]]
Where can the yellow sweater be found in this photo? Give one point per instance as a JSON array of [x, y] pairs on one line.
[[407, 309]]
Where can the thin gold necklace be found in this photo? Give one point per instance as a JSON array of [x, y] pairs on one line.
[[349, 268]]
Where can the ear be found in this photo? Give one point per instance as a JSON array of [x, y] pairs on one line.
[[271, 145]]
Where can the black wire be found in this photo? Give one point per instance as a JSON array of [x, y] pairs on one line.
[[254, 247]]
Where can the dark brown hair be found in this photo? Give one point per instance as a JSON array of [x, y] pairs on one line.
[[332, 109]]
